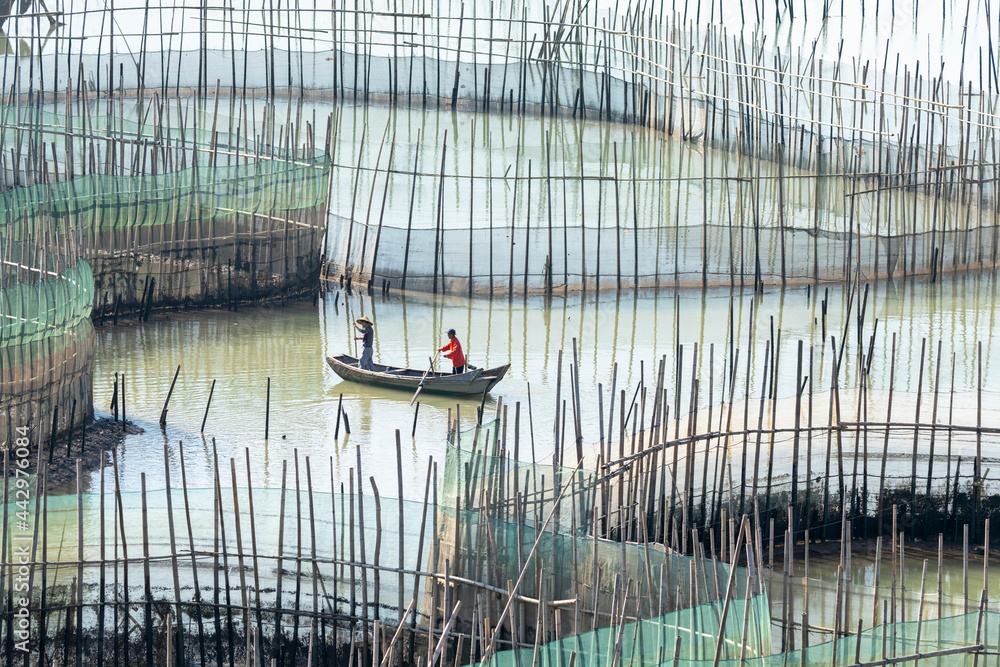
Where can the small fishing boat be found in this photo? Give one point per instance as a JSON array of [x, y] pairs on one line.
[[469, 383]]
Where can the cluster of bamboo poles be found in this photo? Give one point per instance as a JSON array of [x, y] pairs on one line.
[[140, 260], [605, 226], [671, 463], [908, 133], [904, 150], [62, 208], [491, 489], [331, 601], [440, 582]]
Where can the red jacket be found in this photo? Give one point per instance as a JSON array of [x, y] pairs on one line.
[[453, 350]]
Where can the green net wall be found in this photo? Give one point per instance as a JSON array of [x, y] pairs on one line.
[[534, 522], [96, 203], [169, 216], [33, 311], [652, 641], [46, 344], [143, 137], [19, 122]]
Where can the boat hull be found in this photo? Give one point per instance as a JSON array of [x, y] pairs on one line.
[[469, 383]]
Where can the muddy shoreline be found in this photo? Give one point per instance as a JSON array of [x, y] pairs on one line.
[[88, 445]]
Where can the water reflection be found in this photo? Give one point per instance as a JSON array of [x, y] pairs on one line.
[[241, 350]]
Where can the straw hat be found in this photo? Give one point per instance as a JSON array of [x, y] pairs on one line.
[[363, 320]]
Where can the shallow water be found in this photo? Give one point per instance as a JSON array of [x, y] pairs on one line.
[[287, 343], [900, 583]]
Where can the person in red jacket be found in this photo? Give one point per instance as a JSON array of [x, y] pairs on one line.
[[453, 350]]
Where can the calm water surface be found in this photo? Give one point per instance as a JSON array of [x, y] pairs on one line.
[[241, 350]]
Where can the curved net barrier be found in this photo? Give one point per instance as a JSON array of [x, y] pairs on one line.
[[538, 259], [821, 170], [190, 227], [703, 73], [45, 307], [250, 573], [183, 217], [683, 639], [303, 576], [200, 236], [46, 343], [479, 204]]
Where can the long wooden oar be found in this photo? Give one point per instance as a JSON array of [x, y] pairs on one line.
[[424, 377]]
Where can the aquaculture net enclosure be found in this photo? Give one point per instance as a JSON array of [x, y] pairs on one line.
[[46, 340], [687, 639], [213, 571], [184, 217], [816, 169]]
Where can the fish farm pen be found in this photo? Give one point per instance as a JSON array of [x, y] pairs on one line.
[[635, 559], [725, 509], [170, 217]]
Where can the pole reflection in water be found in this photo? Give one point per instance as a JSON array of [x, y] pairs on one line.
[[287, 343]]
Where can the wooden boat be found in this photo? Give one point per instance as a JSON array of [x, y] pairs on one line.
[[469, 383]]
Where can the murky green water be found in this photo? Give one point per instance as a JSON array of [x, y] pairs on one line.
[[287, 344], [945, 589]]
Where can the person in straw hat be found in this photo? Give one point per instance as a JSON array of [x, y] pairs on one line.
[[367, 338]]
